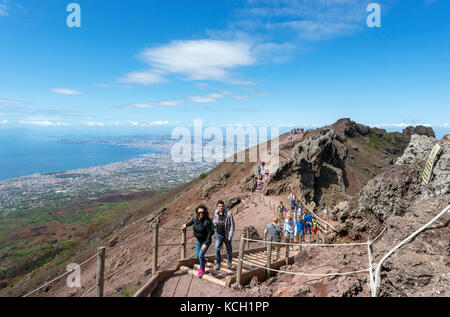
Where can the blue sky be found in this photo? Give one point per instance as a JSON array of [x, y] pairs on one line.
[[141, 65]]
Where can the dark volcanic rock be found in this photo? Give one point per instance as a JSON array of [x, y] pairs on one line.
[[249, 183], [420, 130], [252, 232], [232, 202], [316, 163]]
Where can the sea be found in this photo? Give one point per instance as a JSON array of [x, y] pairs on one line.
[[22, 155]]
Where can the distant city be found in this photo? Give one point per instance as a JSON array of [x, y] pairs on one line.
[[148, 172]]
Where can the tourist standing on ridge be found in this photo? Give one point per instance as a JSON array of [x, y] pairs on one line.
[[259, 172], [281, 210], [203, 231], [314, 229], [224, 223], [300, 230], [293, 199], [308, 224], [273, 231], [289, 229], [300, 210]]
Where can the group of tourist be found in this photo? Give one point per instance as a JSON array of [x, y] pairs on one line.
[[295, 132], [297, 224], [204, 228], [298, 221]]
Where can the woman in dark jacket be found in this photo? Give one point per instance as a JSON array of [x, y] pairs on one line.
[[203, 231]]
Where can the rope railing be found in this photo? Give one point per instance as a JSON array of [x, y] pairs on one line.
[[61, 276], [304, 274], [90, 290], [377, 282], [315, 215], [168, 228], [127, 241], [307, 244], [267, 259]]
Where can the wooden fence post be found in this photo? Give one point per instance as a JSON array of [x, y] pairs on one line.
[[248, 237], [241, 257], [155, 246], [183, 243], [100, 271], [287, 253], [269, 258]]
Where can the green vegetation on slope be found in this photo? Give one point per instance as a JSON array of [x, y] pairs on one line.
[[46, 235]]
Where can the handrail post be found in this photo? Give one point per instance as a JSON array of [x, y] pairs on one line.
[[241, 258], [287, 253], [248, 237], [269, 258], [155, 246], [100, 271], [183, 243]]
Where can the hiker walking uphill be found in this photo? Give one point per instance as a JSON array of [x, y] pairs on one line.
[[308, 224], [300, 210], [203, 232], [224, 224], [289, 229], [293, 199], [281, 210], [300, 229], [274, 232]]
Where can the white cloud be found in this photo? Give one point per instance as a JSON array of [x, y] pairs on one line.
[[158, 123], [304, 19], [194, 59], [43, 123], [102, 85], [4, 8], [164, 103], [133, 123], [65, 91], [206, 98], [4, 122], [11, 102], [142, 78], [318, 30], [95, 124], [404, 125]]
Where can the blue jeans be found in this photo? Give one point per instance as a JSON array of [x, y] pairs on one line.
[[200, 254], [218, 244]]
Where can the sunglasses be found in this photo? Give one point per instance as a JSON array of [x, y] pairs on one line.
[[201, 213]]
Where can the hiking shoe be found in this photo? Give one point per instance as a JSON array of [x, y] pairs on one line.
[[201, 272], [229, 265], [217, 266]]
